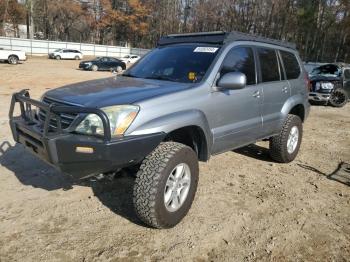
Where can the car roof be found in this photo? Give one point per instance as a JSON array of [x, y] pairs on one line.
[[220, 38]]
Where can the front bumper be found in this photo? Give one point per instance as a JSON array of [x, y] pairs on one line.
[[321, 97], [85, 66], [62, 148]]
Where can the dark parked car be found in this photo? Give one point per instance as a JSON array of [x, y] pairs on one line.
[[330, 84], [103, 63]]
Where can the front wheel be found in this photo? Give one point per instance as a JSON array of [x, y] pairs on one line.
[[94, 68], [57, 57], [338, 98], [285, 146], [166, 184]]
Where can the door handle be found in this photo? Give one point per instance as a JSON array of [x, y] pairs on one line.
[[256, 94], [285, 89]]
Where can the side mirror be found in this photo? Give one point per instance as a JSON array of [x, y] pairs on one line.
[[232, 80]]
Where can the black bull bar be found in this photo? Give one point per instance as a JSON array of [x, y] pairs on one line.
[[53, 112]]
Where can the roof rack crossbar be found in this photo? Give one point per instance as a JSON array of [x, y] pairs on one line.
[[220, 37]]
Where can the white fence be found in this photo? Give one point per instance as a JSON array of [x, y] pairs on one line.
[[42, 47]]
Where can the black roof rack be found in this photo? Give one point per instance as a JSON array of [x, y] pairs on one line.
[[220, 38]]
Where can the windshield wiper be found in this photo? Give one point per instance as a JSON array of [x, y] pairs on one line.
[[166, 78]]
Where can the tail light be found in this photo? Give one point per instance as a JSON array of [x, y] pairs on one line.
[[307, 81]]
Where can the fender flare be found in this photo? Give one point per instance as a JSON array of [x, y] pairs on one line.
[[173, 121]]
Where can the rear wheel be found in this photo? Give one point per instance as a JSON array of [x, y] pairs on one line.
[[13, 60], [166, 184], [285, 146], [119, 69], [338, 98]]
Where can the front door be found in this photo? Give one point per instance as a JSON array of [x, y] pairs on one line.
[[236, 114]]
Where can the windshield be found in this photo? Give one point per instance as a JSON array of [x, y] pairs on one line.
[[58, 50], [326, 70], [186, 63]]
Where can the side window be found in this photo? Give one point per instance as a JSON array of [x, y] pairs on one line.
[[268, 65], [346, 74], [65, 51], [240, 59], [291, 65]]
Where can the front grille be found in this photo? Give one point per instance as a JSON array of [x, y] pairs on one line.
[[66, 119]]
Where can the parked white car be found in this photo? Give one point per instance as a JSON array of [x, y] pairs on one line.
[[66, 54], [130, 59], [12, 56]]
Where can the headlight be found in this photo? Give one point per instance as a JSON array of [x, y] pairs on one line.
[[120, 118], [88, 63], [327, 85]]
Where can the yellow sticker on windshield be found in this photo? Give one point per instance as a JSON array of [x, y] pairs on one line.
[[192, 76]]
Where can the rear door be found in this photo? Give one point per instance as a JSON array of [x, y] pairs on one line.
[[276, 89], [293, 72]]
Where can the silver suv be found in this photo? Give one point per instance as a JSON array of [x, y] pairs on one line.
[[193, 96]]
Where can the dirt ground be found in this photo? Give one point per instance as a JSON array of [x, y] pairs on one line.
[[247, 207]]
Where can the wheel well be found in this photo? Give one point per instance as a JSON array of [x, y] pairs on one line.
[[13, 55], [192, 136], [298, 110]]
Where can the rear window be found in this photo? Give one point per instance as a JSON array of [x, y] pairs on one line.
[[268, 65], [291, 65]]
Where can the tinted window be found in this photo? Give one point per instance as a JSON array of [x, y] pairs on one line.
[[185, 63], [240, 59], [269, 65], [291, 65], [347, 74]]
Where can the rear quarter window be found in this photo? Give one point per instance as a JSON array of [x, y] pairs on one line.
[[268, 65], [291, 65]]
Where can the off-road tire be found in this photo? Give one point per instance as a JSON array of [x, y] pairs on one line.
[[338, 98], [148, 195], [13, 60], [57, 57], [278, 144], [94, 68]]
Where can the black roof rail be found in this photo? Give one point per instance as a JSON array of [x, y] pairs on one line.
[[220, 38]]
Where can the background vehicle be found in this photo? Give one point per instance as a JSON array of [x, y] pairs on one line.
[[193, 96], [66, 54], [130, 59], [12, 57], [103, 63], [330, 83]]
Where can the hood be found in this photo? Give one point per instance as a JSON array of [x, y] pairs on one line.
[[114, 91], [87, 61], [323, 78]]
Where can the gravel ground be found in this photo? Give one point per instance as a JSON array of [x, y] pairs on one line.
[[247, 207]]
